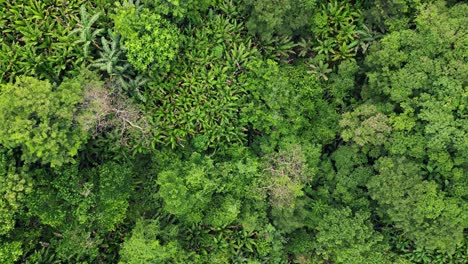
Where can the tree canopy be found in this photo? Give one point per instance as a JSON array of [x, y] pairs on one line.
[[233, 131]]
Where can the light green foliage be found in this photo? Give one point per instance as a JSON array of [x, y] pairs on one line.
[[422, 255], [144, 246], [201, 191], [415, 104], [12, 191], [346, 237], [39, 119], [365, 126], [417, 206], [105, 112], [111, 58], [288, 171], [87, 34], [158, 241], [42, 256], [278, 17], [10, 251], [150, 41], [187, 191], [35, 38], [233, 131], [421, 75], [13, 187], [288, 174]]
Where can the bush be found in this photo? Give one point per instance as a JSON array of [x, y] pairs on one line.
[[40, 120], [150, 41]]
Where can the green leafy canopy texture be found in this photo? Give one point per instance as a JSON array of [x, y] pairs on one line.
[[36, 38], [345, 238], [150, 41], [209, 95], [417, 81], [39, 119], [81, 205], [201, 191], [233, 131], [283, 17], [14, 186], [416, 206]]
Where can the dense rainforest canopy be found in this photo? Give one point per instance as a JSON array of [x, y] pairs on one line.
[[233, 131]]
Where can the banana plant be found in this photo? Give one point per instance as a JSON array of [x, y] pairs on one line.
[[304, 47], [320, 69], [86, 32], [277, 48], [110, 57], [35, 38], [337, 30], [42, 256], [325, 47], [133, 86]]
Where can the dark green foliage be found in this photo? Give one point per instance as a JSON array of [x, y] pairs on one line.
[[294, 104], [37, 38], [279, 17], [331, 30], [342, 84], [81, 206], [347, 184], [392, 15], [277, 48], [180, 10], [337, 29], [208, 95], [427, 217]]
